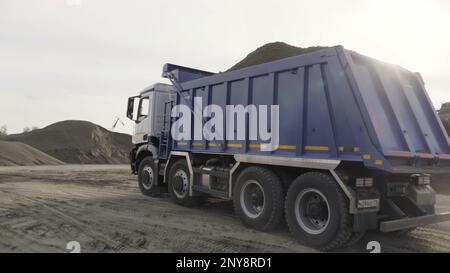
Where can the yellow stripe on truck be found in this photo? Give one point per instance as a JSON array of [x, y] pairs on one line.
[[287, 147], [234, 145], [317, 148], [238, 145], [254, 146], [280, 147]]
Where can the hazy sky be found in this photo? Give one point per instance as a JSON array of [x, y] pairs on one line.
[[82, 59]]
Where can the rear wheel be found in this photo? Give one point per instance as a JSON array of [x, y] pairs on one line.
[[355, 238], [317, 211], [147, 175], [258, 196]]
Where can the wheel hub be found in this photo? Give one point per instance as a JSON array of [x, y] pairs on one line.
[[252, 198], [147, 177], [316, 209], [312, 211], [180, 183]]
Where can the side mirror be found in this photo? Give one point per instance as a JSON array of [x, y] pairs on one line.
[[130, 107]]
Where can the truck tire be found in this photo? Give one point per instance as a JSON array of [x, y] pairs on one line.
[[317, 211], [258, 198], [355, 238], [147, 174], [179, 183], [285, 179]]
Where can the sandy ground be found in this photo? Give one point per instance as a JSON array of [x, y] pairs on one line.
[[42, 208]]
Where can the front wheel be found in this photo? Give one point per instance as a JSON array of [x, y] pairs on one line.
[[317, 211], [147, 175]]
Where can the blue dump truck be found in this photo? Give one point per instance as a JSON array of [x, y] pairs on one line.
[[354, 144]]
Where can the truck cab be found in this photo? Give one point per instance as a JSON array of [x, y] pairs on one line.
[[150, 111]]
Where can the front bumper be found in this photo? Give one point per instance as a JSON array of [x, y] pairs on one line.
[[413, 222]]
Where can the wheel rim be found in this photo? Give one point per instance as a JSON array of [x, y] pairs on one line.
[[147, 177], [252, 198], [181, 182], [312, 211]]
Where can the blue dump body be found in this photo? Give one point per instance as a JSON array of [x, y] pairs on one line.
[[334, 104]]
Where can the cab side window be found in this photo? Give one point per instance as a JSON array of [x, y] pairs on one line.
[[143, 108]]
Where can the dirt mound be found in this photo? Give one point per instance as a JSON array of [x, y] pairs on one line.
[[446, 120], [445, 109], [444, 114], [19, 154], [271, 52], [77, 142]]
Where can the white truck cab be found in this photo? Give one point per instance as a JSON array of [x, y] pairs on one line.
[[148, 111]]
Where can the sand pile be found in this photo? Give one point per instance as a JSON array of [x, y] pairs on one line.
[[445, 109], [271, 52], [19, 154], [78, 142], [444, 114]]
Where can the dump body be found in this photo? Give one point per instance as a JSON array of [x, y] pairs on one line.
[[353, 133], [333, 104]]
